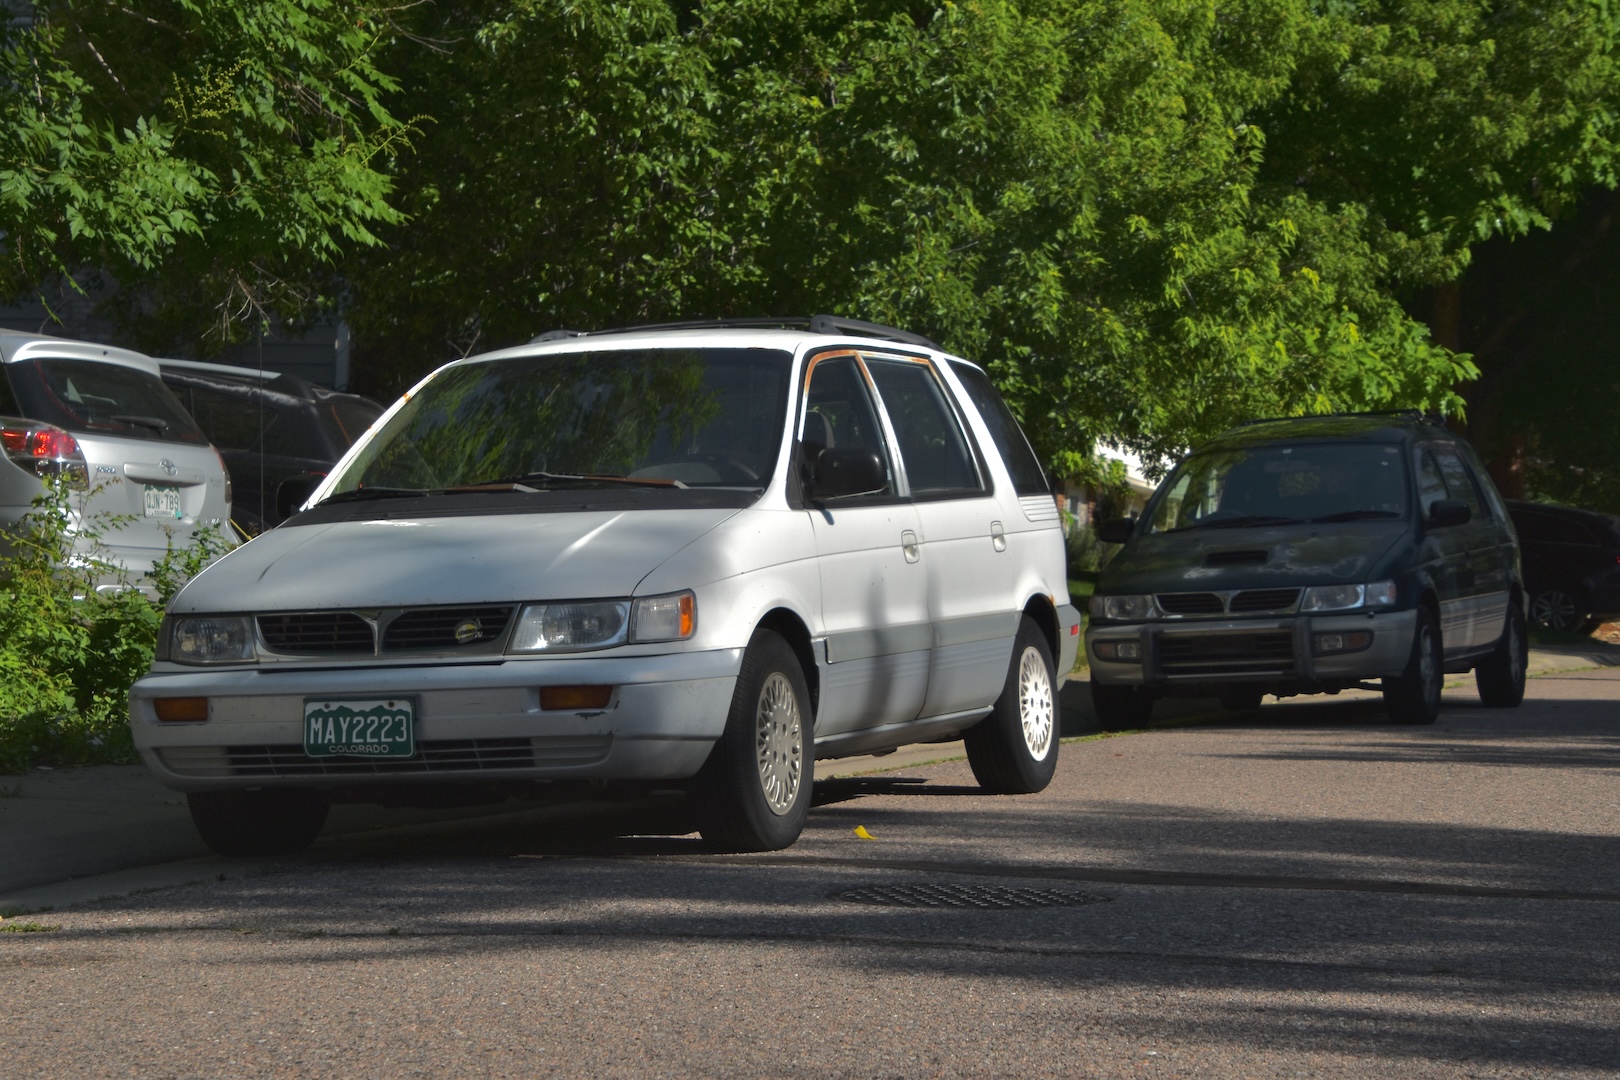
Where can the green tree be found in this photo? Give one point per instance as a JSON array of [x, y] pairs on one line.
[[216, 159]]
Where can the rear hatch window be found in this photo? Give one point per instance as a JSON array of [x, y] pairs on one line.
[[90, 397]]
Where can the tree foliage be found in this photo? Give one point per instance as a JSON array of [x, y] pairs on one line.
[[214, 158], [1151, 217]]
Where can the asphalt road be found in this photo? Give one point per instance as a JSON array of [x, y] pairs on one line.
[[1303, 891]]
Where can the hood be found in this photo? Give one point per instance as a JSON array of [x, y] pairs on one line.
[[1259, 558], [446, 560]]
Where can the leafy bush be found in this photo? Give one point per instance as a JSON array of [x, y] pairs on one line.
[[68, 651]]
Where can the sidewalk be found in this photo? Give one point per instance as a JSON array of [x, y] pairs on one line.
[[70, 835]]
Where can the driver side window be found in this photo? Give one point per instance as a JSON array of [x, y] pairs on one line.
[[839, 413]]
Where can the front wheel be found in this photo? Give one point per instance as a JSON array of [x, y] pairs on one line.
[[1014, 750], [1414, 697], [753, 794], [242, 824], [1500, 677]]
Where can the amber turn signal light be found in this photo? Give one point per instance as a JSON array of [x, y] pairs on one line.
[[575, 697], [181, 710]]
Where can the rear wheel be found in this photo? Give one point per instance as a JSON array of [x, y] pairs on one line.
[[1121, 707], [247, 823], [1414, 697], [1500, 677], [753, 794], [1014, 750], [1557, 608]]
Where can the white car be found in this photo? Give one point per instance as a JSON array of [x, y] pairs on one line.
[[698, 556], [102, 417]]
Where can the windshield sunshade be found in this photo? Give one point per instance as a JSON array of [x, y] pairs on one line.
[[682, 417], [90, 397], [1279, 485]]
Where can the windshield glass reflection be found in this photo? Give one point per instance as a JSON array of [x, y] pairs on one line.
[[1278, 485], [650, 417]]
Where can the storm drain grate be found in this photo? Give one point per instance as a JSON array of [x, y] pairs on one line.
[[967, 896]]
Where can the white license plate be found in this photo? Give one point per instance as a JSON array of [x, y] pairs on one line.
[[162, 502], [377, 727]]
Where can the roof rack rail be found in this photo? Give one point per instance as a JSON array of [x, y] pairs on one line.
[[816, 324], [1402, 414]]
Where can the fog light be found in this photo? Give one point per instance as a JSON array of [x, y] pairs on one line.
[[181, 710], [1117, 650], [575, 697], [1353, 641]]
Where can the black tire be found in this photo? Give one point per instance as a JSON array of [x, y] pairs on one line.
[[753, 793], [1556, 608], [1500, 677], [241, 824], [1014, 750], [1241, 699], [1414, 697], [1120, 708]]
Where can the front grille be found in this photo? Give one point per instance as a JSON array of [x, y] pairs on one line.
[[1263, 600], [432, 756], [436, 628], [317, 632], [1265, 652], [1191, 603]]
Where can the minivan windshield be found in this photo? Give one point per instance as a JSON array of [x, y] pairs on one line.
[[1282, 484], [91, 397], [669, 418]]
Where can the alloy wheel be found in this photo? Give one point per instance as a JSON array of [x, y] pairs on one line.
[[1035, 711], [779, 742]]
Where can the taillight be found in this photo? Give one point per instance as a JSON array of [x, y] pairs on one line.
[[44, 451]]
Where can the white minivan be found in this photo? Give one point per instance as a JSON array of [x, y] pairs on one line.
[[101, 417], [698, 555]]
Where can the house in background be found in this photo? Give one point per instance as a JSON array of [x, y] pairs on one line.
[[1082, 502]]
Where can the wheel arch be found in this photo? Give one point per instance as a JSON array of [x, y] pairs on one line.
[[1044, 613], [791, 627]]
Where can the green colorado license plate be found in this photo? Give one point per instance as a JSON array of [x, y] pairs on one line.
[[376, 727]]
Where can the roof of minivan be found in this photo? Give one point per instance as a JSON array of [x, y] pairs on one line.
[[1364, 427], [19, 345], [785, 339]]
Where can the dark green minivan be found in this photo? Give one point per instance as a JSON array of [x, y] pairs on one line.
[[1307, 556]]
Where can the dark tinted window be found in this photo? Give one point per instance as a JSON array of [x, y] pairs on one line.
[[94, 398], [1431, 482], [1552, 529], [229, 421], [1281, 484], [1027, 475], [350, 419], [8, 400], [1459, 483], [933, 446]]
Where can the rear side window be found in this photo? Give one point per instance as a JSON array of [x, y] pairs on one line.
[[94, 398], [350, 419], [1027, 475], [8, 400], [1548, 529], [231, 422], [933, 446]]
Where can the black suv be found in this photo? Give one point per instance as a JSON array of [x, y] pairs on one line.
[[1307, 556], [1571, 564], [268, 427]]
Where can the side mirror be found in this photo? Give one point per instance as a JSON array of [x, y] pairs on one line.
[[844, 471], [1116, 530], [1447, 512], [294, 491]]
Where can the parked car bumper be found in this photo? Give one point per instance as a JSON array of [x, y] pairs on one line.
[[1278, 653], [472, 721]]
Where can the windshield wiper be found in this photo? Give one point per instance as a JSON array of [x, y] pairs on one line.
[[1238, 522], [362, 493], [1355, 515], [522, 482], [156, 424]]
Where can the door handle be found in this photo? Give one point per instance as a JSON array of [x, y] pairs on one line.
[[909, 546], [998, 536]]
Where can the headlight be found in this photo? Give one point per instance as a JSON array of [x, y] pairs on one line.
[[212, 639], [664, 618], [1348, 597], [1129, 608], [595, 624]]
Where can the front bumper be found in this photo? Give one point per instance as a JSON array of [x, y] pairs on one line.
[[1275, 653], [474, 721]]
